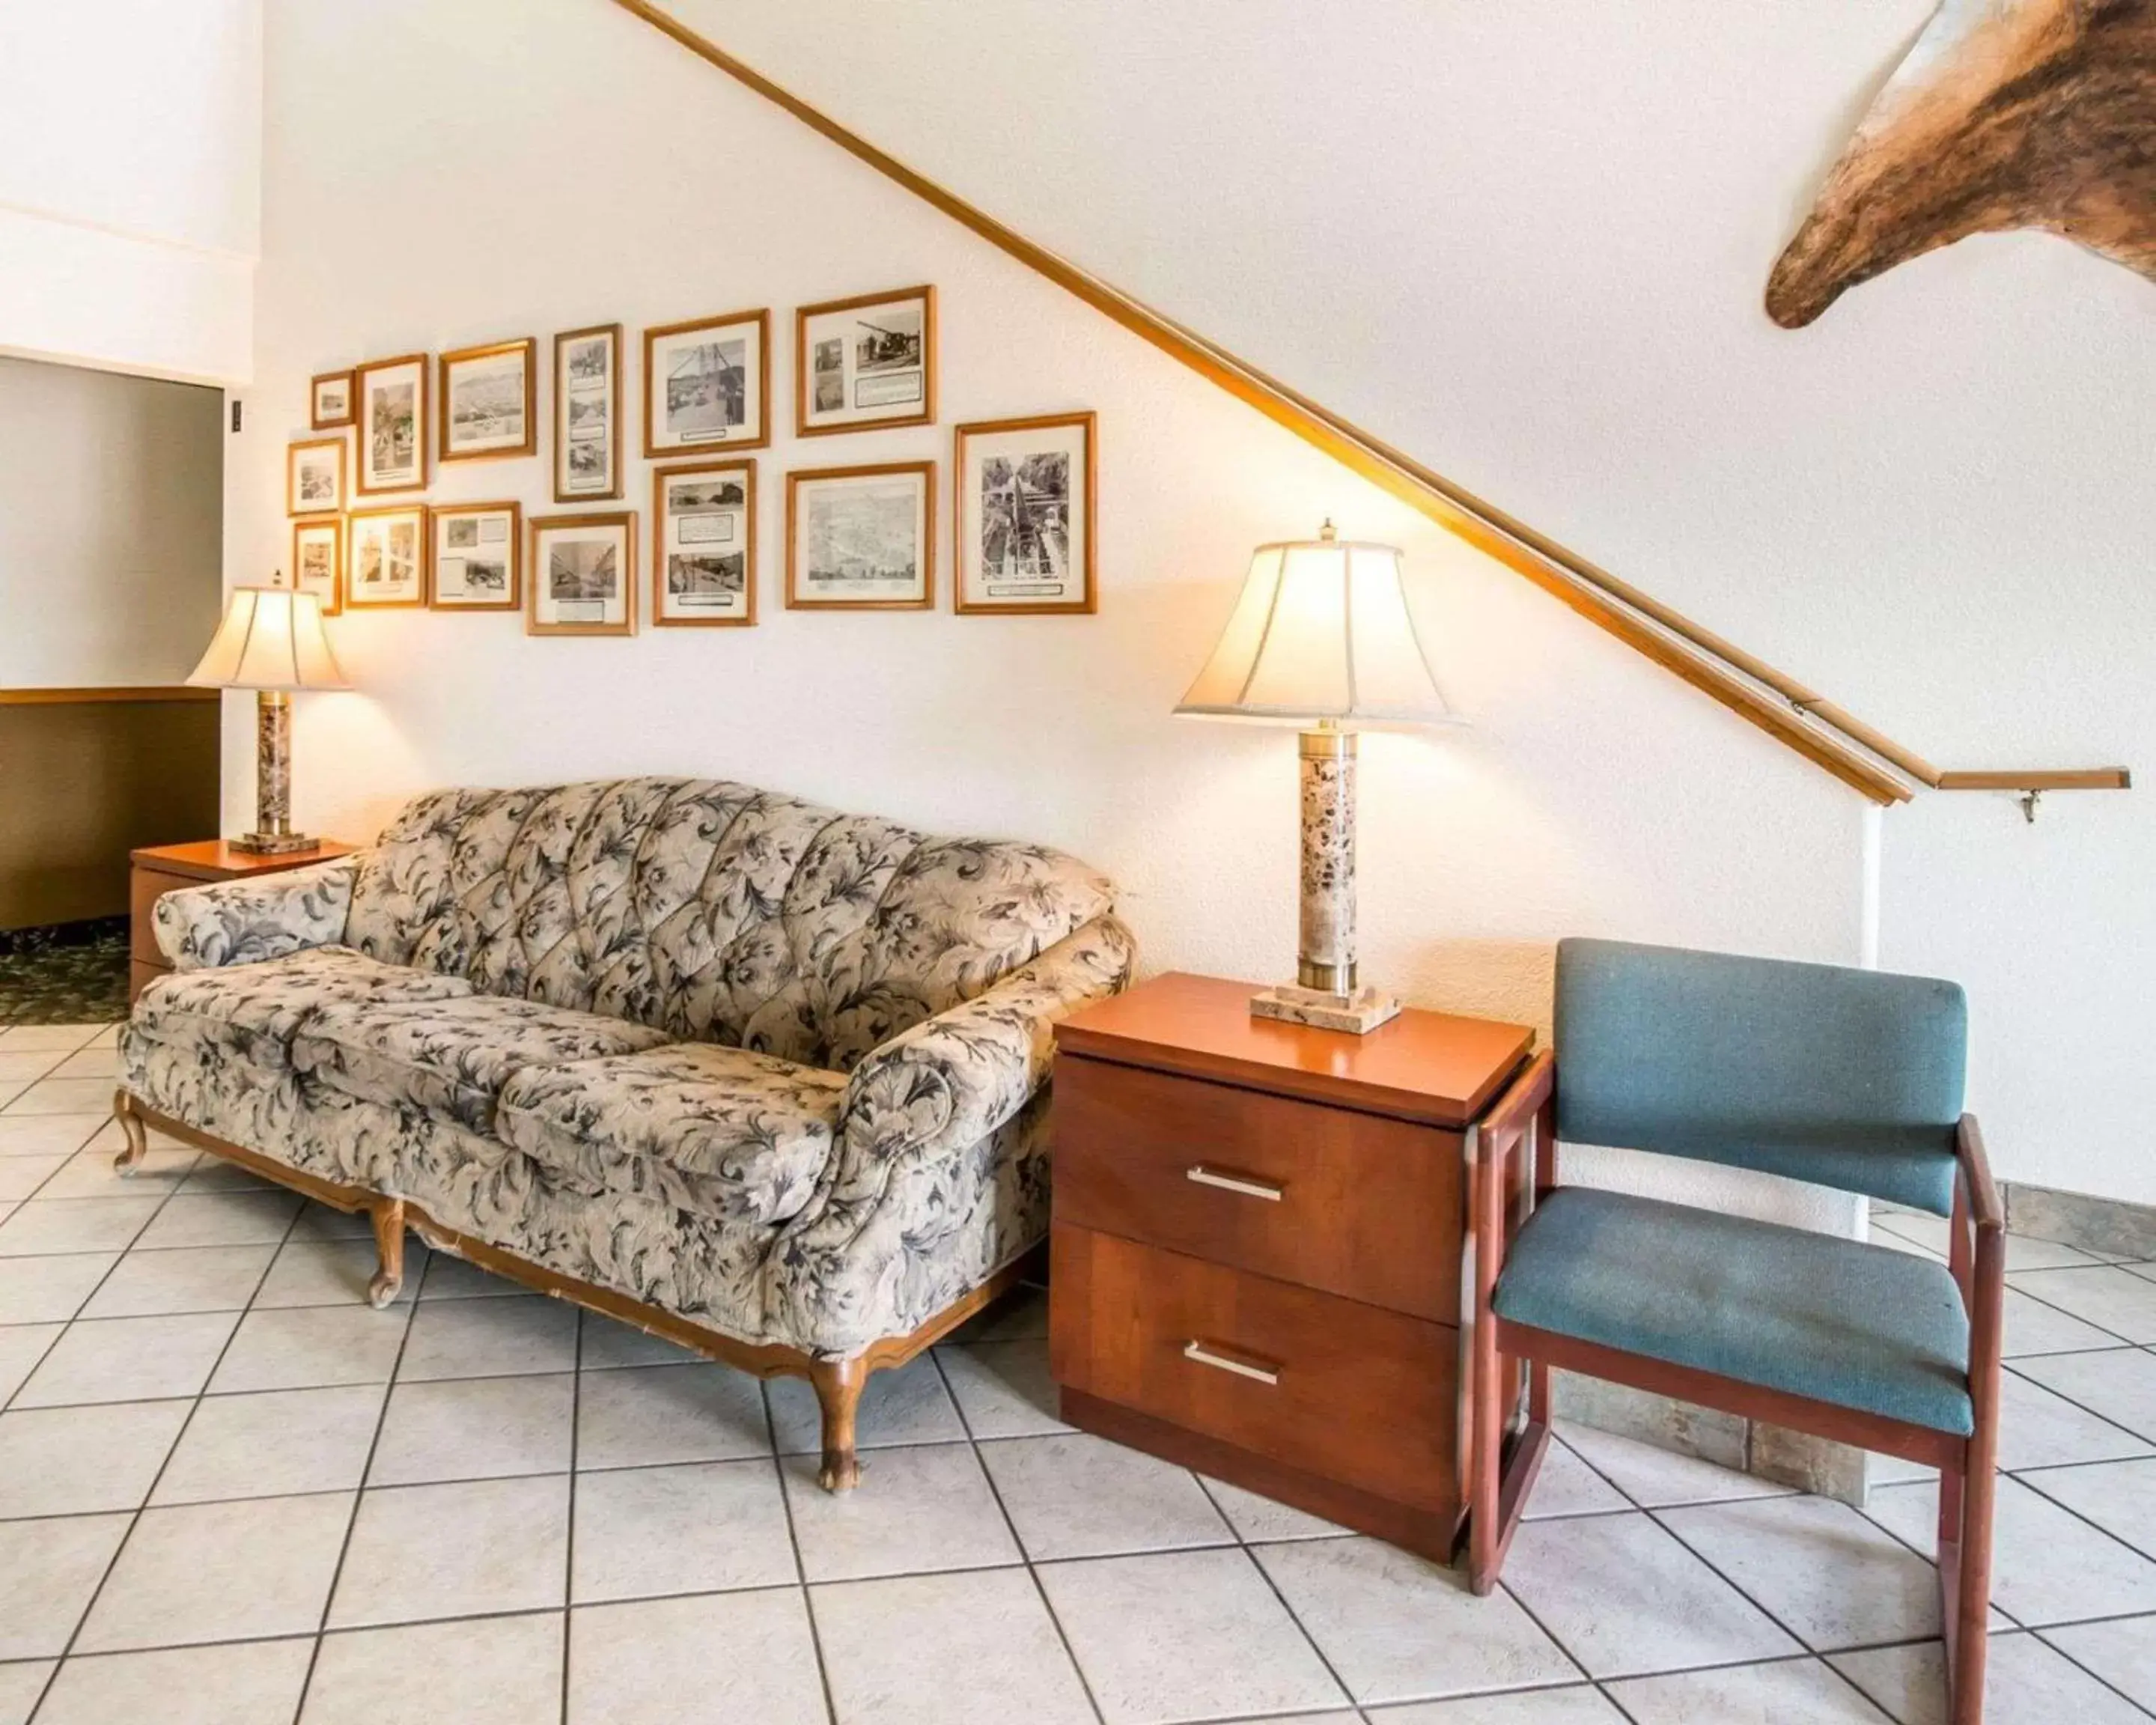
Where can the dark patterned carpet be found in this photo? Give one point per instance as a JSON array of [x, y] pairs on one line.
[[74, 976]]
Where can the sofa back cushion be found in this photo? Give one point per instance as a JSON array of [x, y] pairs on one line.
[[711, 911]]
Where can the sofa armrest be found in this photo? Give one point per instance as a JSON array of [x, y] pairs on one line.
[[244, 921], [953, 1078]]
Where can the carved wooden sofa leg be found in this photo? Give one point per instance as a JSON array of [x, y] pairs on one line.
[[838, 1384], [138, 1138], [388, 1217]]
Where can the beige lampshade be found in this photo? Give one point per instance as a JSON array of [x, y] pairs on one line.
[[1322, 631], [271, 638]]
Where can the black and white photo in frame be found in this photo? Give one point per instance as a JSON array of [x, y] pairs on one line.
[[861, 538], [330, 400], [870, 361], [313, 476], [318, 560], [703, 545], [706, 383], [583, 575], [392, 396], [489, 398], [587, 414], [1025, 514], [476, 547], [387, 557]]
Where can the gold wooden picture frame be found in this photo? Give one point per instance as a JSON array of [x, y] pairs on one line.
[[487, 402], [703, 546], [866, 363], [322, 534], [706, 394], [613, 532], [314, 476], [389, 405], [475, 556], [374, 579], [1022, 544], [330, 400], [868, 497], [587, 387]]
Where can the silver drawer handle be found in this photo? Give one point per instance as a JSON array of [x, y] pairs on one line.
[[1205, 1356], [1243, 1183]]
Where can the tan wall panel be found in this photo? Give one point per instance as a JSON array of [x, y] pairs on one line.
[[83, 784]]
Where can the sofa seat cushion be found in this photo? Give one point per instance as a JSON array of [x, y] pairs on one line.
[[1859, 1325], [716, 1131], [255, 1010], [452, 1057]]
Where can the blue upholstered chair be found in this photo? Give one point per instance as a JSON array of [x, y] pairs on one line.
[[1843, 1078]]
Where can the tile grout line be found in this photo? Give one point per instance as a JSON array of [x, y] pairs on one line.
[[134, 1520], [793, 1541], [569, 1541], [1025, 1557], [358, 1496]]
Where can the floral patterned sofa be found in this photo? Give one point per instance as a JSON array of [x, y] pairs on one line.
[[761, 1076]]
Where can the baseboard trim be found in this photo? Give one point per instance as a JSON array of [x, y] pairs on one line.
[[2111, 1226]]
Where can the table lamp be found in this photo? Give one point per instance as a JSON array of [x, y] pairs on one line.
[[271, 641], [1322, 635]]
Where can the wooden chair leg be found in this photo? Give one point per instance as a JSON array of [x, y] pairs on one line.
[[388, 1217], [1969, 1634], [838, 1384], [1486, 1446], [132, 1128]]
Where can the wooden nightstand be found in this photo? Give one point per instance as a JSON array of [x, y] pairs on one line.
[[1257, 1246], [159, 869]]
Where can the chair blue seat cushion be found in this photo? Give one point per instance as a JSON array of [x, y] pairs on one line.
[[1858, 1326]]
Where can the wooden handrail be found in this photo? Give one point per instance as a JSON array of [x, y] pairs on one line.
[[1825, 733], [69, 697], [2088, 779]]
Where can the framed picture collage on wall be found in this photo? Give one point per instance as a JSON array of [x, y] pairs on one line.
[[859, 536]]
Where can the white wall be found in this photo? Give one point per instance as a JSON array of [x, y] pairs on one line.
[[1529, 244], [112, 499], [627, 180], [130, 164]]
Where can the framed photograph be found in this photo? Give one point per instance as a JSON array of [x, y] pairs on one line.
[[490, 398], [703, 545], [313, 476], [583, 575], [1024, 516], [587, 414], [861, 538], [391, 398], [318, 560], [865, 362], [706, 382], [330, 401], [386, 561], [473, 566]]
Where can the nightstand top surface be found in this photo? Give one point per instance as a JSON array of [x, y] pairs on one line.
[[213, 859], [1424, 1065]]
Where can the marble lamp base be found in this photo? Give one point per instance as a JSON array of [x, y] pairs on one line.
[[273, 780], [1359, 1013]]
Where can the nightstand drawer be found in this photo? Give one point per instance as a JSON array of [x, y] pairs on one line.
[[1365, 1397], [1352, 1204]]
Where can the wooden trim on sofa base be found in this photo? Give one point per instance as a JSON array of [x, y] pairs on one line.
[[838, 1383]]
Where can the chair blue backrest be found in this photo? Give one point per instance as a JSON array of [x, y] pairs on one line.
[[1845, 1078]]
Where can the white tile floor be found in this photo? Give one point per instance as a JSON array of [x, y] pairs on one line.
[[231, 1493]]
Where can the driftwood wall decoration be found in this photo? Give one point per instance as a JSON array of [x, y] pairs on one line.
[[2005, 114]]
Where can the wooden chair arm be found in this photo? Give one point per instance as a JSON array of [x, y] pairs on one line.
[[1516, 1110], [1979, 1191]]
